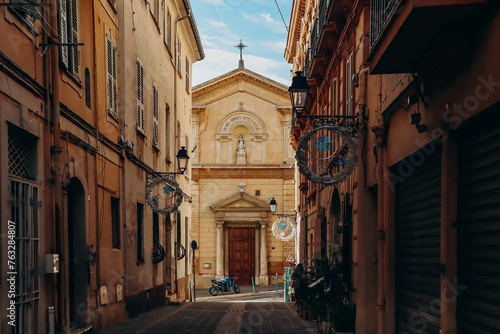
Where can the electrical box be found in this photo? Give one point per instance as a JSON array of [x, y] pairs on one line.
[[103, 294], [119, 292], [51, 263]]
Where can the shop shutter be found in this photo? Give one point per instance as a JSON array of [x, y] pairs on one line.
[[478, 304], [418, 240]]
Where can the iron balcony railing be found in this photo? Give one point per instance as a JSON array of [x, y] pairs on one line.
[[381, 11], [315, 37], [322, 15]]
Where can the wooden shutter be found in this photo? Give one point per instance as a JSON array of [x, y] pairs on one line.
[[179, 55], [478, 228], [111, 77], [156, 123], [348, 86], [418, 246], [187, 75], [63, 31], [75, 59], [140, 95]]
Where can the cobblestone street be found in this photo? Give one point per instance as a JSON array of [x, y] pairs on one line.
[[240, 315]]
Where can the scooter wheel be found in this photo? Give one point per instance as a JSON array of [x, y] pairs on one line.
[[236, 289], [214, 291]]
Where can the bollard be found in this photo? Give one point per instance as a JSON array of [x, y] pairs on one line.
[[253, 286], [276, 282]]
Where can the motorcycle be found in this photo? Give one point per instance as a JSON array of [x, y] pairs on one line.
[[224, 285]]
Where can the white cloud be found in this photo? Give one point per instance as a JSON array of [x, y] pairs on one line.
[[275, 46], [216, 24], [265, 19], [218, 62], [214, 2]]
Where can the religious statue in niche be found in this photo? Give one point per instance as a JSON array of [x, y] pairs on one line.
[[241, 155]]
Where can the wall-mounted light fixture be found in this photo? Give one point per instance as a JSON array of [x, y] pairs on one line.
[[273, 205]]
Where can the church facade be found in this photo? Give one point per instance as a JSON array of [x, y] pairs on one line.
[[241, 159]]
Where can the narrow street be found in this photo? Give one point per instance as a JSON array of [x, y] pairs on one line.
[[265, 312]]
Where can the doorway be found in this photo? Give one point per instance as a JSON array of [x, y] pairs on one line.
[[78, 265], [242, 254]]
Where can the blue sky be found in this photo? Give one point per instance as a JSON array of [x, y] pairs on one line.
[[222, 23]]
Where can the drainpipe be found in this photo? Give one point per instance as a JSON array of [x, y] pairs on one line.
[[177, 135], [380, 134], [57, 152]]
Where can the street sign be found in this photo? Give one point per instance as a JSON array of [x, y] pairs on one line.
[[290, 258]]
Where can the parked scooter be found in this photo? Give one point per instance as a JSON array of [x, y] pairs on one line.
[[224, 285]]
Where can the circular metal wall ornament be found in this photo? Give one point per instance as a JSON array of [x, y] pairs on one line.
[[284, 228], [319, 153], [163, 194]]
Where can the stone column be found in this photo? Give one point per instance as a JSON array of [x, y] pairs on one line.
[[220, 252], [264, 279], [257, 257]]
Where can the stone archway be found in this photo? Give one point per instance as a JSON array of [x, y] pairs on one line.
[[225, 138]]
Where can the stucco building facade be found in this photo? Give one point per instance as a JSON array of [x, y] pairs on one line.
[[241, 160], [75, 158], [424, 80]]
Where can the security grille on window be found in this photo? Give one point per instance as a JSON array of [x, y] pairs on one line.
[[140, 95], [111, 77], [348, 86], [187, 75], [68, 33], [156, 123], [21, 154], [24, 213]]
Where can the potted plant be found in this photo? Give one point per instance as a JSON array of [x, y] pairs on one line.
[[343, 318]]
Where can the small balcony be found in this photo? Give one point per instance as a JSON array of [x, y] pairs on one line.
[[408, 35]]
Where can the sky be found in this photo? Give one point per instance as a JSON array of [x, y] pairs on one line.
[[222, 23]]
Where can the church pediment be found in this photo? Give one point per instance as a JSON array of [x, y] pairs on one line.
[[241, 202]]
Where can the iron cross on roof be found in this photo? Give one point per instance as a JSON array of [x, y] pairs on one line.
[[241, 46]]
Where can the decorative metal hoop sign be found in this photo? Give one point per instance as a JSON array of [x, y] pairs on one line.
[[284, 228], [320, 149], [163, 194]]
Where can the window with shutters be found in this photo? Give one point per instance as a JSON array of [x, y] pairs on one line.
[[156, 123], [334, 97], [348, 86], [179, 59], [68, 33], [168, 132], [27, 11], [187, 76], [140, 96], [154, 8], [167, 36], [111, 89], [140, 233]]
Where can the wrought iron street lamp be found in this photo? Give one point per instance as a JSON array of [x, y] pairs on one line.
[[182, 160], [298, 93], [273, 205], [298, 96]]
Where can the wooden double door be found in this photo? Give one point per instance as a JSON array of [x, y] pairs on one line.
[[241, 255]]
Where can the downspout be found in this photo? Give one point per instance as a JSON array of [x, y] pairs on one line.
[[57, 152], [380, 135], [97, 248], [177, 135]]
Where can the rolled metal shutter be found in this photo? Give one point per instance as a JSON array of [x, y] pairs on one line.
[[478, 291], [418, 245]]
